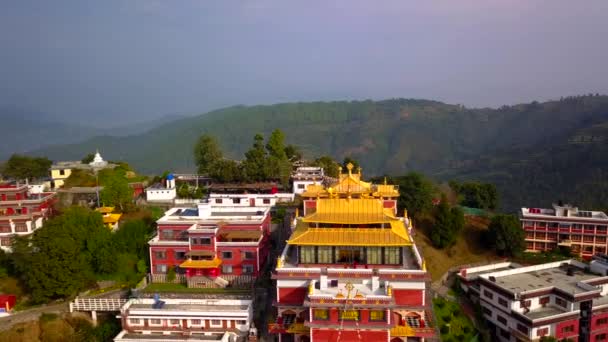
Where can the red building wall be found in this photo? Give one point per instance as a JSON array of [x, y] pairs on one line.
[[292, 295], [559, 329], [408, 297], [599, 328], [323, 335]]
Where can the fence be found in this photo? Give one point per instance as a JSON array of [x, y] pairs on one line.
[[97, 304]]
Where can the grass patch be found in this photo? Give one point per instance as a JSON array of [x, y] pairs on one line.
[[47, 317], [182, 288], [469, 248], [453, 324], [540, 258]]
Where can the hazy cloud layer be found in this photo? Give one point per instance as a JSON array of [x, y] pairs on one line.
[[103, 61]]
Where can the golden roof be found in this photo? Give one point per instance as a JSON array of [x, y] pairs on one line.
[[105, 210], [402, 331], [201, 263], [350, 183], [111, 218], [241, 235], [350, 211]]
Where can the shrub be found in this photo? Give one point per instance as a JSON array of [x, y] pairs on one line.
[[47, 317], [444, 329], [171, 274]]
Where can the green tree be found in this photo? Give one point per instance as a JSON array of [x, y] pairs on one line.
[[24, 167], [448, 223], [226, 171], [206, 153], [476, 194], [61, 258], [279, 166], [293, 153], [116, 192], [255, 165], [88, 158], [329, 165], [506, 236], [348, 160], [415, 193]]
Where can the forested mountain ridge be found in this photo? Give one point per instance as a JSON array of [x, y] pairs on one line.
[[388, 137]]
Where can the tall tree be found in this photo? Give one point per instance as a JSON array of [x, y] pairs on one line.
[[255, 166], [506, 236], [329, 165], [279, 166], [448, 223], [116, 191], [293, 153], [415, 193], [206, 153], [24, 167], [226, 171]]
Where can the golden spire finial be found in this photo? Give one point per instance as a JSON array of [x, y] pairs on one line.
[[349, 167], [340, 170], [359, 169], [384, 180]]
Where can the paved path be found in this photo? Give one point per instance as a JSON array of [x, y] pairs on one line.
[[31, 314]]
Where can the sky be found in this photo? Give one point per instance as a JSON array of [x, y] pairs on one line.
[[123, 61]]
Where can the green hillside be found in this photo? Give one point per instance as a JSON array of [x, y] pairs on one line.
[[390, 136]]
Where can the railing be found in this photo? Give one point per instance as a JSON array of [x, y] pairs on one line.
[[97, 304]]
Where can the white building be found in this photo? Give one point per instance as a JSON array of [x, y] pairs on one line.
[[249, 200], [306, 175], [162, 192], [186, 319]]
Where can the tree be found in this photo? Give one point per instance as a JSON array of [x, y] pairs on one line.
[[255, 166], [279, 166], [476, 194], [448, 223], [88, 158], [350, 160], [329, 165], [206, 153], [415, 193], [506, 236], [116, 191], [293, 153], [226, 171], [24, 167]]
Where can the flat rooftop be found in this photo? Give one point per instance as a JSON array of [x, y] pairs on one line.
[[564, 211], [546, 278], [159, 337], [544, 312], [191, 307]]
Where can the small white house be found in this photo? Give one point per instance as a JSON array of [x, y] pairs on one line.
[[162, 192], [249, 200], [305, 176]]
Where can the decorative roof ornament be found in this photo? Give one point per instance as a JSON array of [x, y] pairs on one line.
[[350, 167]]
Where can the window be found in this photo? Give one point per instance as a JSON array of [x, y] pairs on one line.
[[134, 321], [320, 314], [226, 255], [569, 328], [301, 186], [600, 337], [160, 255], [349, 315], [5, 241], [216, 322], [161, 268], [524, 304], [374, 255], [195, 321], [62, 172], [392, 255], [488, 294], [504, 333], [167, 234], [248, 255], [241, 322], [486, 311], [174, 321], [236, 200], [501, 319], [560, 302], [201, 241], [377, 315], [324, 255], [307, 255], [155, 321], [503, 302], [542, 331], [247, 269], [180, 255], [544, 300], [523, 329], [226, 269], [218, 200], [601, 321], [266, 201]]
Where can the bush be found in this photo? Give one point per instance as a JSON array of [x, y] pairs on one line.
[[47, 317], [447, 318], [444, 329], [171, 274]]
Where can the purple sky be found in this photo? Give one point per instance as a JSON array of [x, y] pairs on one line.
[[129, 60]]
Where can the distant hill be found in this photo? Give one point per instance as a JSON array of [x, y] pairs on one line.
[[504, 145], [23, 131]]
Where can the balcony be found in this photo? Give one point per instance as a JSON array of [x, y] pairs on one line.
[[407, 331], [288, 326]]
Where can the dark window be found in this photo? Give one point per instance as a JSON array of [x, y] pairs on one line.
[[601, 321], [544, 300], [248, 255], [226, 255], [236, 200], [487, 311], [503, 302], [167, 234], [523, 329], [218, 200], [180, 255], [542, 332], [160, 255], [247, 269], [504, 333], [488, 294], [201, 241], [569, 328], [501, 319], [600, 337], [266, 201], [560, 302], [525, 304], [301, 186], [62, 172]]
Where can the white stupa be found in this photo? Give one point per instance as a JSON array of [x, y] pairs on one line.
[[98, 161]]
